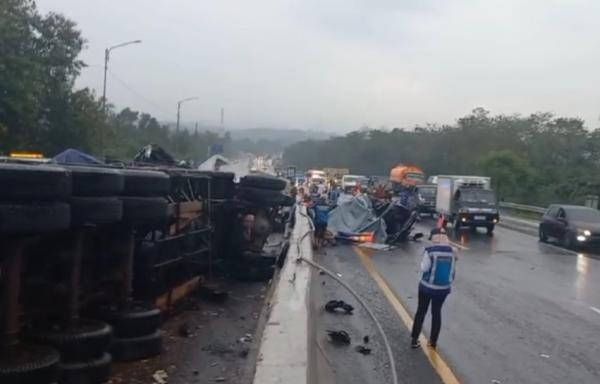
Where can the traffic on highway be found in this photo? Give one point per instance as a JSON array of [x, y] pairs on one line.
[[524, 305]]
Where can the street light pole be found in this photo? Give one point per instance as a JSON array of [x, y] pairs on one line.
[[106, 58], [179, 110]]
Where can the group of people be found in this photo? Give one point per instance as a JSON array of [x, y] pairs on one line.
[[437, 268], [320, 200]]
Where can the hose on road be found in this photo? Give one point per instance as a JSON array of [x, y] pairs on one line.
[[356, 296]]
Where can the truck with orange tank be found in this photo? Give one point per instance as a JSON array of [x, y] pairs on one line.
[[404, 175]]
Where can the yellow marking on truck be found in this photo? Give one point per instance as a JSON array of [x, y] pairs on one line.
[[436, 360]]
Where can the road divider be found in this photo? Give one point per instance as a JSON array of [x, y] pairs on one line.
[[284, 349]]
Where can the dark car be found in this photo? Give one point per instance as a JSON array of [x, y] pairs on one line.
[[426, 199], [572, 225]]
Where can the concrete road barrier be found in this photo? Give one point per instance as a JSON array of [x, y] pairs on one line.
[[284, 349]]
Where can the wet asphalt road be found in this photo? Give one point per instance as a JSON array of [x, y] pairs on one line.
[[520, 311]]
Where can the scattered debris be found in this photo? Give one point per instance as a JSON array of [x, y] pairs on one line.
[[494, 381], [196, 372], [242, 317], [321, 273], [544, 356], [244, 353], [363, 350], [338, 274], [247, 338], [333, 305], [366, 339], [160, 377], [213, 364], [218, 379], [339, 337], [184, 330]]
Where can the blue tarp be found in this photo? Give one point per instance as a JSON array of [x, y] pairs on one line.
[[73, 156]]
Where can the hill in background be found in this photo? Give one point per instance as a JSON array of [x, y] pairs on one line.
[[271, 140]]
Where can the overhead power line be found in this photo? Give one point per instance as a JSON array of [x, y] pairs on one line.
[[138, 94]]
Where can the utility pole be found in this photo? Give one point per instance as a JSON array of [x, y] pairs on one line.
[[222, 119], [106, 58], [179, 110]]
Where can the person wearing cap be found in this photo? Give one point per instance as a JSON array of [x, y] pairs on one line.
[[437, 274]]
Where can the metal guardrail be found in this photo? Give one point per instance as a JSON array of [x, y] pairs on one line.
[[522, 207]]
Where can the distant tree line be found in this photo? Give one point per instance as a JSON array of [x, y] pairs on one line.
[[41, 110], [536, 159]]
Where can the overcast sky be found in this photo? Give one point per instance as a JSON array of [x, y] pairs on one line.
[[338, 64]]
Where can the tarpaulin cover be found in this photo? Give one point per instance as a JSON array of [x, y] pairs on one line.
[[355, 214], [73, 156], [153, 154]]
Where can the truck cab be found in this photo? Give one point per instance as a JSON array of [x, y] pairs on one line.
[[467, 201], [426, 199]]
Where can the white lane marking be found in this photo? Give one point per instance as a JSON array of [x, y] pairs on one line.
[[595, 309]]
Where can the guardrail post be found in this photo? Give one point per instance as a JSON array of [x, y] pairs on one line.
[[591, 201]]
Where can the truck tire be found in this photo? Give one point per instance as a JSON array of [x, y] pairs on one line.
[[137, 209], [22, 182], [264, 196], [137, 320], [142, 182], [34, 217], [136, 348], [263, 182], [29, 364], [96, 181], [95, 210], [567, 241], [95, 371], [86, 340], [222, 186]]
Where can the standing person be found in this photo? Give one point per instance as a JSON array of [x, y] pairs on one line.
[[334, 194], [321, 218], [438, 270]]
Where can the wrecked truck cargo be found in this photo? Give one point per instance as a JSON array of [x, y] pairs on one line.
[[95, 259]]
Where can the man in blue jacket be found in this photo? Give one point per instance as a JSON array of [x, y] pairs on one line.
[[437, 274]]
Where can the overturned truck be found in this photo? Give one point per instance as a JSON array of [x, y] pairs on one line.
[[93, 257]]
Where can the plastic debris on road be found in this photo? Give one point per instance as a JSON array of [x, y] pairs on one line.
[[363, 350], [160, 377], [339, 337], [334, 305]]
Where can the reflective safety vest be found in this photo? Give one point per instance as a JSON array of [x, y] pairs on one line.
[[441, 271]]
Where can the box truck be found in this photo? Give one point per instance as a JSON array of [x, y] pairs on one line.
[[467, 201]]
